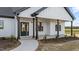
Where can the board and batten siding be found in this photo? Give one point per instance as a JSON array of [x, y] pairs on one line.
[[9, 27]]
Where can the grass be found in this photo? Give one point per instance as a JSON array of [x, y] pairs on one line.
[[75, 31]]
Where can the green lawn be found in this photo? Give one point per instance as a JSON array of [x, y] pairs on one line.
[[75, 31]]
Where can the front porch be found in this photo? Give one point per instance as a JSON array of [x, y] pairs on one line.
[[45, 28]]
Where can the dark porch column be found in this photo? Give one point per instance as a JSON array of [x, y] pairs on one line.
[[33, 27], [18, 24], [57, 29], [36, 27], [71, 28]]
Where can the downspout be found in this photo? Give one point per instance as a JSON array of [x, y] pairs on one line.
[[57, 29]]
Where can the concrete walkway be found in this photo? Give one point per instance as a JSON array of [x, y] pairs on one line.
[[27, 45]]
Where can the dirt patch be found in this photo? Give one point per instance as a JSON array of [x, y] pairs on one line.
[[6, 45], [61, 44]]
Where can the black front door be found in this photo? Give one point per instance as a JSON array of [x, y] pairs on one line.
[[24, 28]]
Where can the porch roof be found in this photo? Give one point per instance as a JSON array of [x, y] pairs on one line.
[[56, 13], [28, 12], [61, 13]]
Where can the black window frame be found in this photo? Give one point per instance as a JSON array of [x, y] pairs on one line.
[[2, 24], [58, 27], [40, 26]]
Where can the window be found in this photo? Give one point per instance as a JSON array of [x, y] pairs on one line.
[[40, 27], [58, 27], [1, 24]]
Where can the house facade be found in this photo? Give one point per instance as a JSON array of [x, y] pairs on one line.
[[34, 22]]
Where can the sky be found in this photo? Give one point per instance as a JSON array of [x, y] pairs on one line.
[[75, 11]]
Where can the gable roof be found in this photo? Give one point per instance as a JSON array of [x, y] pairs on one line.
[[69, 12], [17, 10], [38, 11], [6, 12], [12, 11], [43, 8], [55, 13], [27, 13]]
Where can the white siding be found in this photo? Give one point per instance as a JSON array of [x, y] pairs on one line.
[[62, 28], [55, 13], [52, 27], [46, 27], [9, 27]]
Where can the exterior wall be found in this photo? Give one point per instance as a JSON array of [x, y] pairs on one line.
[[9, 27], [49, 28], [46, 28], [52, 27], [45, 24], [62, 23]]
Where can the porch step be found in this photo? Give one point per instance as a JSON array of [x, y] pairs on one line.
[[27, 38]]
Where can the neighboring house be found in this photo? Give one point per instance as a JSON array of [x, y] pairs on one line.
[[34, 22]]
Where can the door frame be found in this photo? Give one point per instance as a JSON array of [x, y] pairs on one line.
[[26, 27]]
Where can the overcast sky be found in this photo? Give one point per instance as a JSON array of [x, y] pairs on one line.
[[75, 11]]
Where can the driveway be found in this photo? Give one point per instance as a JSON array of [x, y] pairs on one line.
[[27, 45]]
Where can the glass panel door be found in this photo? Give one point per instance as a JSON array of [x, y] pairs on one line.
[[24, 29]]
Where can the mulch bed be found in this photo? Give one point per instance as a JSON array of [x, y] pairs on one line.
[[59, 40], [50, 43], [6, 45]]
